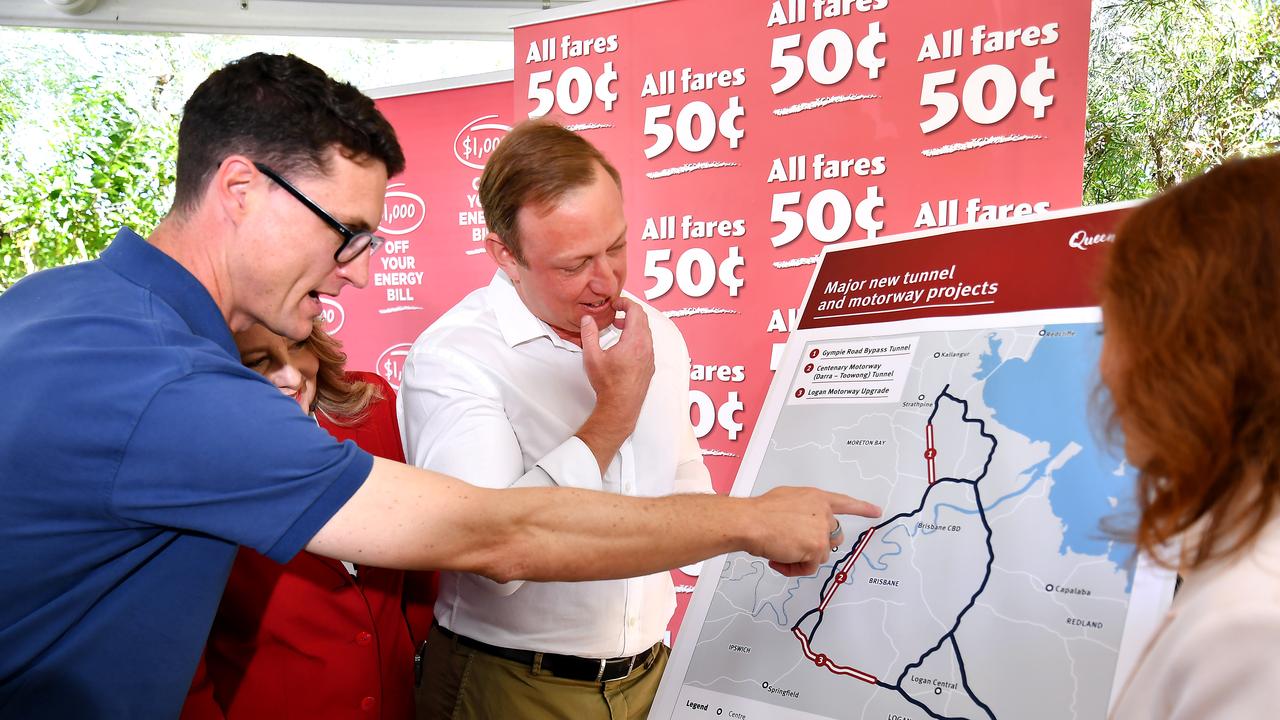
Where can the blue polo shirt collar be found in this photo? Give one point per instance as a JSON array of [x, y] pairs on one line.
[[147, 266]]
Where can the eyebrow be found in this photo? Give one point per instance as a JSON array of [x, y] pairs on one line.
[[620, 240], [359, 226]]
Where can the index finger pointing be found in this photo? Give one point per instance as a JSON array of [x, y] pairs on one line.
[[845, 505]]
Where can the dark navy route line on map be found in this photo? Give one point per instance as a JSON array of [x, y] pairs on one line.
[[842, 569]]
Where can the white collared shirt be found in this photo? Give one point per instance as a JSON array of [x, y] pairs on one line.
[[492, 395]]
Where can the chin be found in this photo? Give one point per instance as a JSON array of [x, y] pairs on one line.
[[300, 330]]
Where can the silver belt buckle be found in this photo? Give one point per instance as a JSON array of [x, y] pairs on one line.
[[631, 665]]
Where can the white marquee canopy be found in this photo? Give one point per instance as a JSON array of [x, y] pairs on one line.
[[425, 19]]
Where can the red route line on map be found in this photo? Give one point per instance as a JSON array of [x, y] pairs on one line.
[[843, 575], [930, 453], [823, 661]]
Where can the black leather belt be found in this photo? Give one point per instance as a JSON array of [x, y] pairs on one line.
[[570, 667]]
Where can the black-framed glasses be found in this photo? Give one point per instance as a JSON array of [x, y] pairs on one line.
[[353, 242]]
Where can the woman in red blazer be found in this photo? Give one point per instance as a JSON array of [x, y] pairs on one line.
[[316, 637]]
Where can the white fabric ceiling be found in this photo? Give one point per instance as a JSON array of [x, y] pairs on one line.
[[438, 19]]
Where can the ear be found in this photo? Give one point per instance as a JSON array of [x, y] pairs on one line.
[[231, 187], [502, 256]]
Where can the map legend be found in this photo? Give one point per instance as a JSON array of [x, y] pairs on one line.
[[853, 371]]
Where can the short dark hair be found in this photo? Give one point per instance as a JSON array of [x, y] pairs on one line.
[[279, 110], [537, 163]]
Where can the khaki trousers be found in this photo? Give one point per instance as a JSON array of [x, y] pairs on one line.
[[461, 683]]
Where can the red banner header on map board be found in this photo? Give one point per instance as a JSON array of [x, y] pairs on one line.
[[1032, 265]]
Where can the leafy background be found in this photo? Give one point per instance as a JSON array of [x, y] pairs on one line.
[[89, 122]]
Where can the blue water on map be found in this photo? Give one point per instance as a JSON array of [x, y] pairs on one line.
[[1046, 398], [990, 359]]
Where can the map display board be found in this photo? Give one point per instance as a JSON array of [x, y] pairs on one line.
[[926, 377]]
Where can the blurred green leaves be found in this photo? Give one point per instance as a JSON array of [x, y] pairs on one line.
[[1175, 88], [103, 158]]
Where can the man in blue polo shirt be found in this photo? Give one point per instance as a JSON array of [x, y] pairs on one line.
[[137, 453]]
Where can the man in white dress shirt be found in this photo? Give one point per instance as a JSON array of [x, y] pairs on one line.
[[501, 392]]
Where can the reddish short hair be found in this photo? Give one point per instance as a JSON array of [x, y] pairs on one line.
[[536, 164]]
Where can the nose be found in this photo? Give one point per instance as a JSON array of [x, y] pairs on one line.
[[356, 270], [602, 278], [286, 377]]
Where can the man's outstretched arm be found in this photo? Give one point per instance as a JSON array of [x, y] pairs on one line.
[[416, 519]]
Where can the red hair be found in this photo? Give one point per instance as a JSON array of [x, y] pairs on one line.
[[1191, 302]]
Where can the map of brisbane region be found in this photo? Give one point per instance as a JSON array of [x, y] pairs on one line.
[[989, 588]]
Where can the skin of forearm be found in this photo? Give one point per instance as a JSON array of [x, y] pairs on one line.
[[414, 519], [566, 534]]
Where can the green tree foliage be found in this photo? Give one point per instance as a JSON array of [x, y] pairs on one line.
[[105, 160], [1176, 87], [88, 123]]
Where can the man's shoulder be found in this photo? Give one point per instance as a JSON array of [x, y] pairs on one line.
[[469, 326], [86, 285], [87, 307], [84, 325], [666, 335], [88, 370], [81, 310]]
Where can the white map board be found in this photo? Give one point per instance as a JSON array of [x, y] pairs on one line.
[[986, 590]]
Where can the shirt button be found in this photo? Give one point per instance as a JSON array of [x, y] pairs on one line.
[[368, 704], [631, 622], [364, 638]]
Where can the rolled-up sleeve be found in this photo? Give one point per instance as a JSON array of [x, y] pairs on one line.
[[453, 421]]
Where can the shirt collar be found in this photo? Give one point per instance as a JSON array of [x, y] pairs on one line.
[[518, 325], [145, 265]]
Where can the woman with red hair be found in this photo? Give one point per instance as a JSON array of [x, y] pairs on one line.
[[1191, 304]]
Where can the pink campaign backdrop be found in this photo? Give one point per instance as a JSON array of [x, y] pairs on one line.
[[431, 219], [749, 135], [715, 113]]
